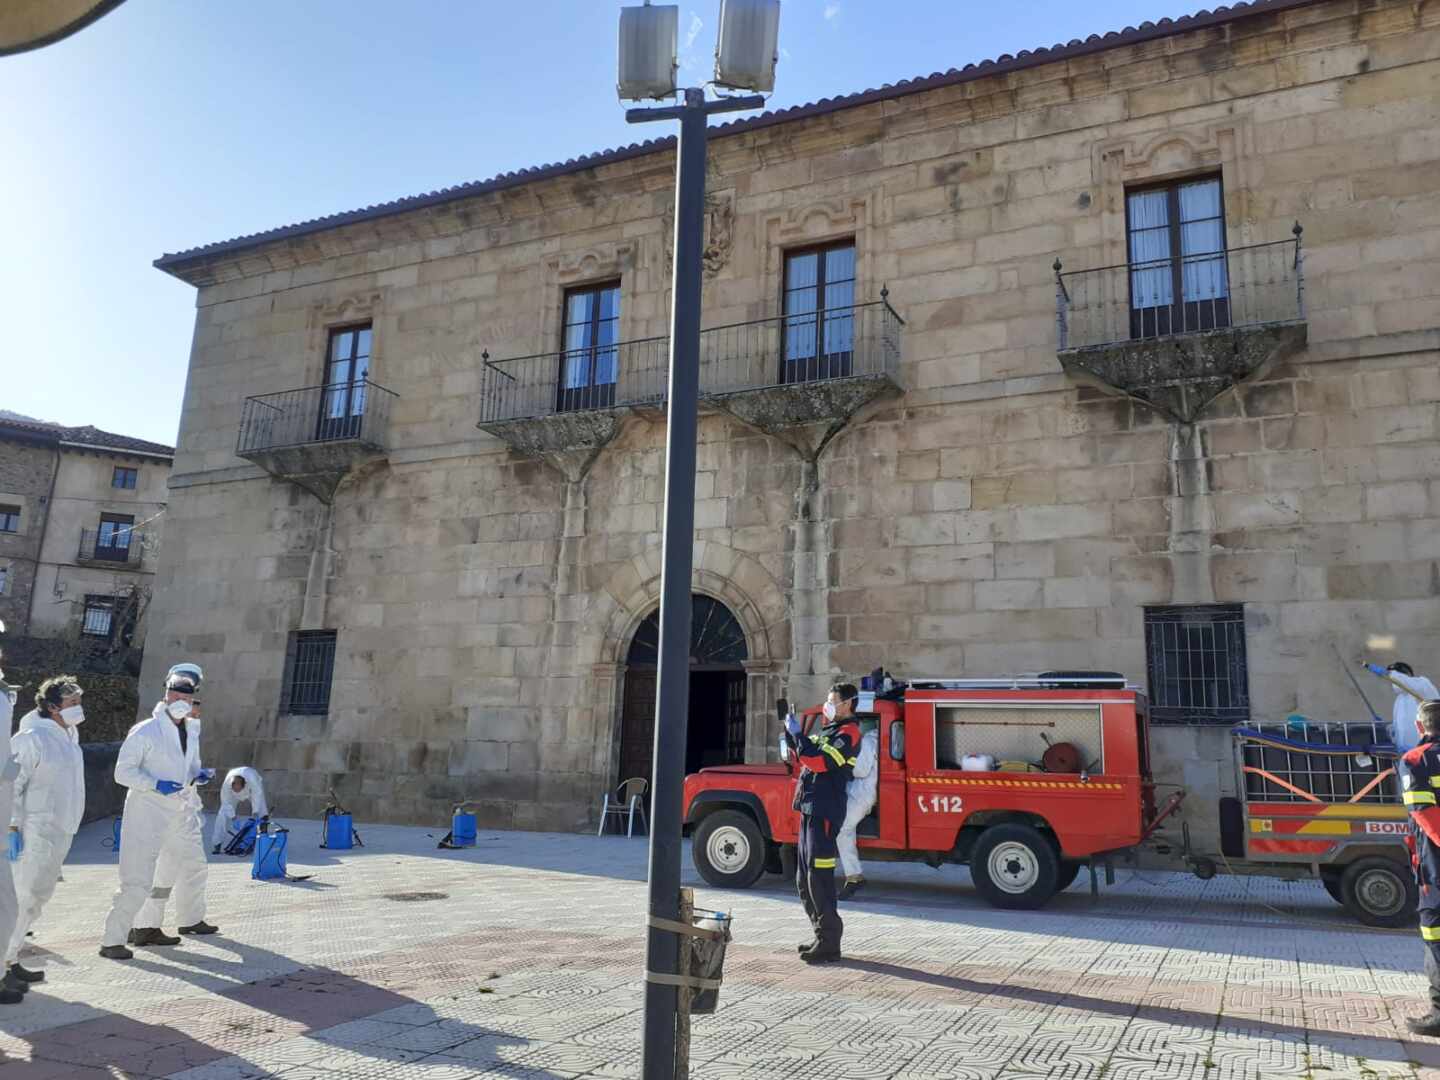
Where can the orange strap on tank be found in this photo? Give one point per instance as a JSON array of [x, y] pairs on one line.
[[1283, 783], [1371, 786]]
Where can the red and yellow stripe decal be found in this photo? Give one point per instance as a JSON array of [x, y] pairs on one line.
[[1297, 829], [1019, 781]]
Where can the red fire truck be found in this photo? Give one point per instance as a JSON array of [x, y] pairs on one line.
[[1028, 779]]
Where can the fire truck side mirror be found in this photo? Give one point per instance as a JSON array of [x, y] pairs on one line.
[[897, 740]]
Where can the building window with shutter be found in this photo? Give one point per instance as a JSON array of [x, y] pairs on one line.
[[1179, 277], [309, 670], [123, 477], [590, 354], [1197, 665], [819, 309]]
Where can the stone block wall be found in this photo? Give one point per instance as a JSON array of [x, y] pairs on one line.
[[27, 471], [999, 516]]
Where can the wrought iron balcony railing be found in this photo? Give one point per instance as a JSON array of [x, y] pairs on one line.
[[357, 411], [840, 343], [120, 547], [1260, 285]]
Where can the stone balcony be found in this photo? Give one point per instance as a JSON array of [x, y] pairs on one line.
[[1241, 311], [774, 374], [314, 436]]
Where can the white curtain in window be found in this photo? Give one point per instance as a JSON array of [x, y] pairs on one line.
[[1150, 279], [1202, 231]]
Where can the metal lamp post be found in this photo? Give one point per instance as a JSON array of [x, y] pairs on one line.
[[745, 57]]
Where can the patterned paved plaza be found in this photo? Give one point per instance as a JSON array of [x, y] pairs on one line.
[[521, 959]]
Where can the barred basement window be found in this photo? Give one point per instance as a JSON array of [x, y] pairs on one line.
[[99, 613], [1197, 666], [309, 670]]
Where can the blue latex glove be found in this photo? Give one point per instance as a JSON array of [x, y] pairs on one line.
[[167, 787], [792, 725], [205, 776], [1376, 669], [17, 844]]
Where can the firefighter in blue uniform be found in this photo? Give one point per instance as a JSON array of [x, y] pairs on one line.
[[828, 761], [1420, 777]]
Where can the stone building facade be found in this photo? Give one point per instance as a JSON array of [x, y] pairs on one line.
[[1080, 396], [81, 512]]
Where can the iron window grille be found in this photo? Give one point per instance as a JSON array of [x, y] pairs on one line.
[[1195, 656], [4, 578], [309, 671], [9, 519], [123, 477], [99, 616]]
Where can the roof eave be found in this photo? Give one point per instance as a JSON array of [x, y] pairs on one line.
[[185, 264]]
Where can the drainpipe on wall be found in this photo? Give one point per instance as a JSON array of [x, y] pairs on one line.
[[40, 548], [317, 582]]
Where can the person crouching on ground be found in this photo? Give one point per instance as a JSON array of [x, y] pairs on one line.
[[242, 784], [49, 805]]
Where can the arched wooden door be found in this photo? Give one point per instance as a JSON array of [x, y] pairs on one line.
[[715, 732]]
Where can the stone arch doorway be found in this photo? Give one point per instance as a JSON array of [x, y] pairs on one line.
[[715, 733]]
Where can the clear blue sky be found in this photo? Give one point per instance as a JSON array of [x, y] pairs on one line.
[[173, 123]]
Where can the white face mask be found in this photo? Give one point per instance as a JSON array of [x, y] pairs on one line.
[[829, 710], [73, 716], [178, 710]]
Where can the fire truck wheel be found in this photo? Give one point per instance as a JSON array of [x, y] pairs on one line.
[[728, 850], [1014, 866], [1380, 892], [1332, 886], [1069, 871]]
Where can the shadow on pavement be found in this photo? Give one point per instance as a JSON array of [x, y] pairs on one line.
[[1126, 1010], [256, 1001]]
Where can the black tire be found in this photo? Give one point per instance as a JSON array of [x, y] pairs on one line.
[[1014, 867], [1380, 891], [1069, 871], [728, 850], [1332, 886]]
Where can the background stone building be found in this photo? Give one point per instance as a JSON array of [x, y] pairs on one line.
[[1203, 453]]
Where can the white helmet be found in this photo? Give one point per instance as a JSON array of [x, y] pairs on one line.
[[188, 669]]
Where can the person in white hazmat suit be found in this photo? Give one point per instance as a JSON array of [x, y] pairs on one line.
[[9, 770], [1410, 689], [859, 801], [161, 831], [242, 784], [49, 804]]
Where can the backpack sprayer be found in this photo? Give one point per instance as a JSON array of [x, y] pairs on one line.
[[463, 827], [242, 840], [337, 826]]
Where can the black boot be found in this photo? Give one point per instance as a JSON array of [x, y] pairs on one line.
[[201, 927], [116, 952], [26, 975], [151, 935], [823, 953], [10, 982], [11, 997], [1428, 1025]]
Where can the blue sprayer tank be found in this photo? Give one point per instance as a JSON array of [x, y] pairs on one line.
[[270, 848], [339, 831], [463, 830]]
